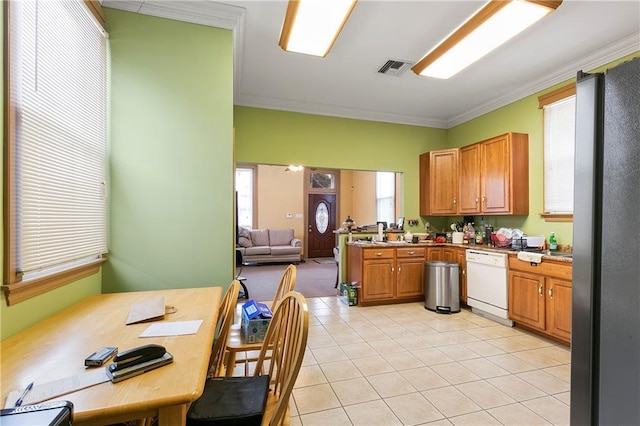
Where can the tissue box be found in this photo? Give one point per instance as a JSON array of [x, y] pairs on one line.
[[255, 321], [348, 294]]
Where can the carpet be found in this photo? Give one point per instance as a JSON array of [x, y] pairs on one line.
[[312, 279], [325, 260]]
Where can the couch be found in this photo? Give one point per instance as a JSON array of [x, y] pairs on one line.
[[268, 245]]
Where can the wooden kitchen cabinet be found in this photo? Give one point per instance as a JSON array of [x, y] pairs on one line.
[[434, 253], [540, 296], [494, 176], [439, 182], [387, 275]]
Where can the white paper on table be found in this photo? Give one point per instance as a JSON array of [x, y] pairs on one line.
[[172, 328], [44, 391]]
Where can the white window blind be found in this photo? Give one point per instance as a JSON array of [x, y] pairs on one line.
[[559, 148], [385, 196], [244, 188], [58, 136]]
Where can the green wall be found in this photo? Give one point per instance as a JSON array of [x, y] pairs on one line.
[[278, 137], [171, 154], [522, 116]]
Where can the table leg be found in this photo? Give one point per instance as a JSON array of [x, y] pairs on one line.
[[173, 415]]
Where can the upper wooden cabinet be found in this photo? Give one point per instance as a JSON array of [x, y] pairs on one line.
[[492, 177], [439, 182]]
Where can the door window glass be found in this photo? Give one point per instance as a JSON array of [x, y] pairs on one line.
[[322, 218], [322, 180]]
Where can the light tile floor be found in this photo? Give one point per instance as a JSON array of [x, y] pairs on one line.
[[404, 365]]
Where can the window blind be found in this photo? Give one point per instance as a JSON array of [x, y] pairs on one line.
[[559, 148], [57, 97]]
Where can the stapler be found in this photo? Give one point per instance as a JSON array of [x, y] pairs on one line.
[[136, 356]]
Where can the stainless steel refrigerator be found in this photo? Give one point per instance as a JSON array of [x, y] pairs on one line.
[[605, 343]]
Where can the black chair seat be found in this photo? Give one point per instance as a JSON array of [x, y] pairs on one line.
[[237, 401]]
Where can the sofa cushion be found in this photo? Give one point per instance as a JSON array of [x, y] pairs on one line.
[[244, 242], [260, 237], [282, 250], [280, 237], [255, 250]]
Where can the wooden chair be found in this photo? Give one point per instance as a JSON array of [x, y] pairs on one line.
[[225, 319], [236, 344], [224, 399]]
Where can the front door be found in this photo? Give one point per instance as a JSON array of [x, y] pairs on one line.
[[321, 217]]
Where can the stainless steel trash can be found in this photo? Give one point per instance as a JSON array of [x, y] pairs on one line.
[[442, 287]]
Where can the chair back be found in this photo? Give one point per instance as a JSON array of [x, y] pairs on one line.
[[287, 284], [283, 348], [225, 319]]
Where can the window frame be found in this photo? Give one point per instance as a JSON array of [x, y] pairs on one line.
[[544, 100], [16, 290], [254, 190]]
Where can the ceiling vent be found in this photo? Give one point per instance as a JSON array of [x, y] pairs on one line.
[[394, 67]]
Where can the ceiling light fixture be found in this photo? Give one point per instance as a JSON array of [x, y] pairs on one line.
[[312, 26], [294, 168], [492, 25]]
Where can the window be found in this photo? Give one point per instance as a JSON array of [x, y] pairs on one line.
[[385, 197], [55, 156], [559, 144], [245, 185]]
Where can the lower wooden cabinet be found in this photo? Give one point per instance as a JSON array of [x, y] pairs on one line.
[[540, 297], [387, 275]]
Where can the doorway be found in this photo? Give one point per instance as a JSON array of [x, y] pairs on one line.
[[321, 213], [321, 218]]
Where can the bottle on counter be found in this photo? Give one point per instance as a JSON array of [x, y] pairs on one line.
[[553, 243]]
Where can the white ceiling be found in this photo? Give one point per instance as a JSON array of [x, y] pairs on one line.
[[579, 35]]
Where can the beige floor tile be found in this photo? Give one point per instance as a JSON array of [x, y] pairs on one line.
[[549, 408], [320, 341], [403, 360], [455, 373], [310, 375], [334, 417], [354, 391], [411, 342], [437, 339], [431, 356], [486, 333], [373, 365], [340, 370], [511, 363], [293, 410], [390, 384], [424, 378], [413, 409], [560, 353], [372, 414], [386, 346], [371, 334], [322, 312], [358, 350], [483, 348], [308, 359], [474, 419], [458, 352], [564, 397], [295, 421], [510, 344], [545, 381], [537, 359], [460, 336], [450, 401], [485, 394], [562, 372], [330, 318], [484, 368], [443, 422], [346, 337], [517, 415], [315, 398], [516, 388], [329, 354], [337, 327]]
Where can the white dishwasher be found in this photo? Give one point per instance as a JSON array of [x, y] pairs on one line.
[[487, 285]]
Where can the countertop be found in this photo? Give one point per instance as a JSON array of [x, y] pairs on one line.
[[545, 257]]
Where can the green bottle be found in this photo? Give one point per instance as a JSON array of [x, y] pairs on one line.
[[553, 243]]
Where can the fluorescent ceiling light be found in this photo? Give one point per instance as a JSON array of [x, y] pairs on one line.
[[312, 26], [492, 25]]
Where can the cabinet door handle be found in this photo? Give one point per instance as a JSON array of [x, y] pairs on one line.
[[484, 199], [379, 254], [454, 200], [551, 292], [411, 253], [392, 269], [477, 199], [399, 269], [540, 290]]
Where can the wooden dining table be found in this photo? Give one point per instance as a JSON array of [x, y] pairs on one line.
[[56, 347]]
